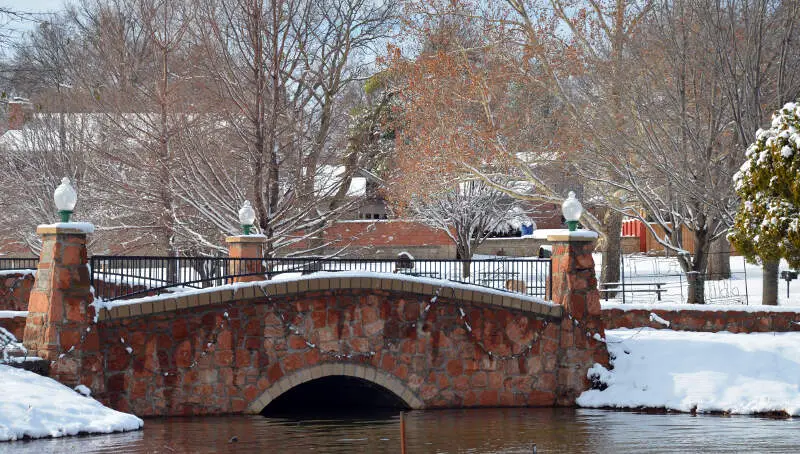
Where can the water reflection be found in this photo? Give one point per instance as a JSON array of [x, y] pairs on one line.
[[453, 431]]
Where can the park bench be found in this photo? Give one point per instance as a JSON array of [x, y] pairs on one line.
[[509, 279], [491, 277], [433, 274], [618, 287]]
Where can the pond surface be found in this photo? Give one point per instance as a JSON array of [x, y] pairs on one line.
[[446, 431]]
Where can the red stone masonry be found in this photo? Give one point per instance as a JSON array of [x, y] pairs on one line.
[[14, 325], [246, 247], [732, 320], [433, 354], [15, 291], [233, 350], [58, 309], [197, 360], [575, 288]]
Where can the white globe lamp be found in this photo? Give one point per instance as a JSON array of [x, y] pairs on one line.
[[572, 210], [247, 217], [65, 198]]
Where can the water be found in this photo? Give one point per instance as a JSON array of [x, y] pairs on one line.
[[450, 431]]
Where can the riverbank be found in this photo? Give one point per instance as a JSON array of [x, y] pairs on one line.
[[694, 372], [32, 406]]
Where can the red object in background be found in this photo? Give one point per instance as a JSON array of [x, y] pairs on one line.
[[635, 228]]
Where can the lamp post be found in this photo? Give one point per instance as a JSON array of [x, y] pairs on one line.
[[572, 210], [65, 198], [247, 217], [246, 252]]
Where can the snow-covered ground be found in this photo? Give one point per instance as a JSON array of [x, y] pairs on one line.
[[12, 314], [34, 406], [18, 271], [703, 372], [743, 286]]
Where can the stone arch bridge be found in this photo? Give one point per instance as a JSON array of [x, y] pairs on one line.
[[419, 343], [237, 349]]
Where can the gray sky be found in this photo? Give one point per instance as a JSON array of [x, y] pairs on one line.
[[38, 7], [34, 6], [14, 27]]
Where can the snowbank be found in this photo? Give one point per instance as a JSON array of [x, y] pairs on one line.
[[35, 406], [703, 372], [13, 314], [20, 272]]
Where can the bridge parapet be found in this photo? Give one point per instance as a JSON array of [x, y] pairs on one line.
[[328, 282]]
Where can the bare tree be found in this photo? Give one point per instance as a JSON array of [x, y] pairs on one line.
[[49, 145], [603, 32], [681, 171], [140, 75], [8, 17], [35, 159], [574, 54], [753, 44], [282, 67], [467, 213], [193, 110]]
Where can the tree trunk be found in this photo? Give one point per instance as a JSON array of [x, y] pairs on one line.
[[610, 272], [62, 134], [769, 283], [719, 260], [466, 256], [696, 277], [465, 268], [696, 281]]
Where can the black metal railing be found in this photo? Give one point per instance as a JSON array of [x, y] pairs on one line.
[[14, 263], [117, 277], [651, 279]]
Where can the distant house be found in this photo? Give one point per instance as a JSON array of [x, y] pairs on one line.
[[18, 111], [369, 230]]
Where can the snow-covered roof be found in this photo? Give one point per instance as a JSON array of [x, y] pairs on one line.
[[12, 137], [328, 179], [41, 128], [516, 218]]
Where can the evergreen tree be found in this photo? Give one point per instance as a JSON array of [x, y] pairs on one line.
[[767, 224]]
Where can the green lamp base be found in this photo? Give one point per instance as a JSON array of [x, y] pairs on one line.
[[65, 214]]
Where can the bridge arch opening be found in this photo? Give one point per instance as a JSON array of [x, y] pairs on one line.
[[335, 394], [324, 388]]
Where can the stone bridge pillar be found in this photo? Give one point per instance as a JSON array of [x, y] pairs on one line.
[[574, 280], [246, 247], [575, 288], [58, 308]]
